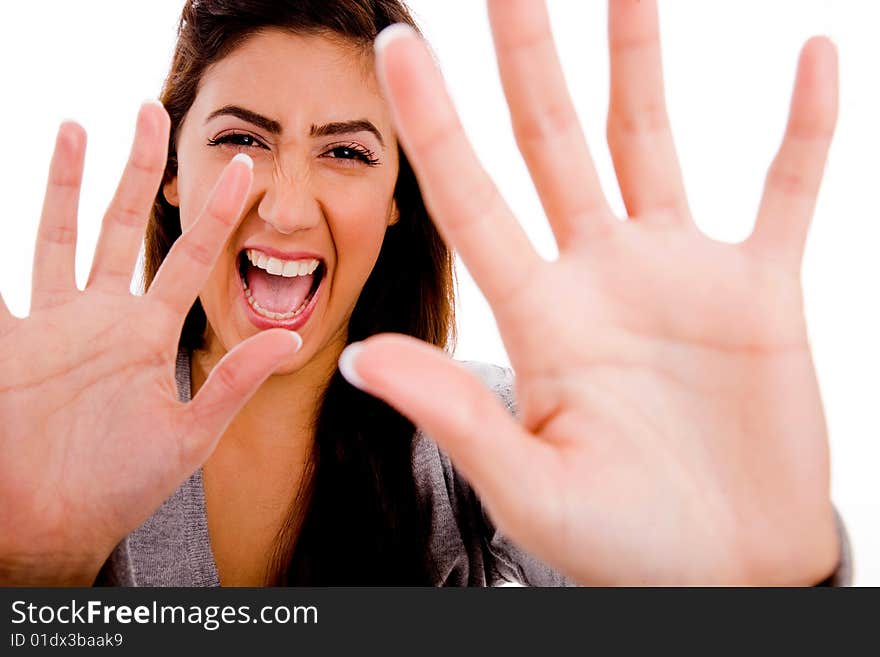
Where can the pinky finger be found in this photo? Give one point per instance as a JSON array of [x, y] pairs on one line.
[[796, 173], [54, 276]]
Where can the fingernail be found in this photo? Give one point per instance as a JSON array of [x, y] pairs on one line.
[[346, 365], [244, 157], [147, 120], [297, 338], [390, 33], [71, 133], [66, 122]]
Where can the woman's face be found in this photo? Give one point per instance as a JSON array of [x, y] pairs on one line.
[[307, 110]]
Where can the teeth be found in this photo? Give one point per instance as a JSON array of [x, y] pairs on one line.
[[275, 266], [286, 268], [268, 313]]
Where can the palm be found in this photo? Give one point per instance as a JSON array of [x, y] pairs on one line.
[[694, 372], [73, 374], [93, 436], [671, 427]]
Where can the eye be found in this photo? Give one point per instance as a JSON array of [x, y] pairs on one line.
[[355, 152], [238, 140]]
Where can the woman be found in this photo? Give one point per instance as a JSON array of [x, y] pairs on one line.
[[669, 431]]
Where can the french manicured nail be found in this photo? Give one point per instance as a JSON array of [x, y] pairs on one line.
[[71, 132], [390, 33], [347, 365], [244, 157], [297, 338]]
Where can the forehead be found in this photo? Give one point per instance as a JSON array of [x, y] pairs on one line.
[[296, 79]]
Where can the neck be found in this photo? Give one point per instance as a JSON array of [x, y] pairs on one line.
[[261, 461]]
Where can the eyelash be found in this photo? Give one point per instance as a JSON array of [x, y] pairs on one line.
[[360, 153], [230, 136]]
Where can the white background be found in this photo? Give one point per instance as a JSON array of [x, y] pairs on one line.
[[729, 71]]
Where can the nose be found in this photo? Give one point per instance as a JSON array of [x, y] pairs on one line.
[[288, 204]]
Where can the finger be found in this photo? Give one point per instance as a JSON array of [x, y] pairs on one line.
[[54, 273], [639, 135], [459, 413], [192, 257], [545, 123], [796, 173], [122, 230], [230, 384], [463, 201]]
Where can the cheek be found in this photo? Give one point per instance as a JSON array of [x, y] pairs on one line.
[[198, 173], [195, 182], [358, 225], [363, 211]]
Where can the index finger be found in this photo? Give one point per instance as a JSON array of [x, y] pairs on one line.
[[192, 257], [463, 200]]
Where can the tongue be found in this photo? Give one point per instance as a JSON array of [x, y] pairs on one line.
[[278, 294]]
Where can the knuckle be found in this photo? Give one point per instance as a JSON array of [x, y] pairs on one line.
[[483, 202], [550, 121], [216, 213], [811, 130], [647, 116], [528, 45], [227, 378], [634, 44], [108, 273], [196, 251], [126, 216], [788, 182], [58, 234], [65, 181], [145, 164]]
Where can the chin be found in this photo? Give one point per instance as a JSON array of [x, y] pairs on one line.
[[289, 366]]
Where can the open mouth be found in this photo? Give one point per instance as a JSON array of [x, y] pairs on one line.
[[280, 290]]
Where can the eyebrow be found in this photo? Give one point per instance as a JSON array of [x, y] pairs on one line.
[[269, 125], [274, 127], [346, 127]]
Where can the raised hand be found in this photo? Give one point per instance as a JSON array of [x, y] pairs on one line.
[[92, 434], [670, 426]]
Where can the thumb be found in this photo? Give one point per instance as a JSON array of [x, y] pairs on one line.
[[490, 448], [228, 387]]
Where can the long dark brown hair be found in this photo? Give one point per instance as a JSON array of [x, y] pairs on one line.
[[355, 518]]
